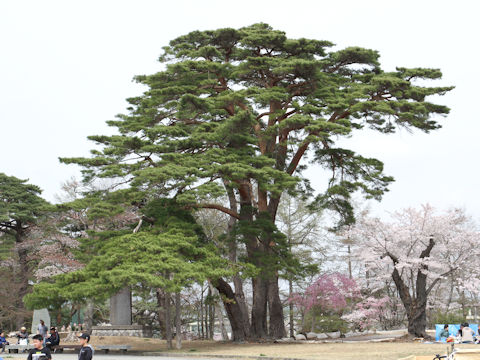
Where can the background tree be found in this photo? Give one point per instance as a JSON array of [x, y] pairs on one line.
[[303, 230], [168, 255], [235, 112], [21, 207], [418, 250]]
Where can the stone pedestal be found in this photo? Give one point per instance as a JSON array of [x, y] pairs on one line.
[[121, 308], [121, 330]]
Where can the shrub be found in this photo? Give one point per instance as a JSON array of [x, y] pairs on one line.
[[325, 323]]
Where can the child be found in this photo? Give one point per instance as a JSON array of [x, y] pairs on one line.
[[39, 352], [86, 352]]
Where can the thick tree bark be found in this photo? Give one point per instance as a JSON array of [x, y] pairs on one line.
[[168, 321], [232, 255], [88, 317], [258, 326], [211, 313], [275, 307], [161, 312], [238, 319], [255, 252], [417, 321]]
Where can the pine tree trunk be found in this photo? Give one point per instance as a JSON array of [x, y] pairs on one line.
[[237, 317], [258, 327], [59, 317], [22, 278], [89, 316], [211, 313], [275, 306], [161, 312], [168, 321], [255, 252], [242, 326], [178, 320]]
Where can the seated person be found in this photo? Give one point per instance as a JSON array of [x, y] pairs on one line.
[[53, 339], [22, 336], [444, 333], [3, 341], [39, 352], [467, 334]]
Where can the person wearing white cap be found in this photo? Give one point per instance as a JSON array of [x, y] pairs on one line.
[[22, 336]]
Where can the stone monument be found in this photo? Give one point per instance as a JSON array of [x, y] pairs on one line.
[[121, 308], [40, 314], [120, 318]]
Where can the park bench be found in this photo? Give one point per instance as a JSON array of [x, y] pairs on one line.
[[60, 348], [105, 348], [14, 348]]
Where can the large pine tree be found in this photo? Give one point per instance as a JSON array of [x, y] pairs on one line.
[[235, 112]]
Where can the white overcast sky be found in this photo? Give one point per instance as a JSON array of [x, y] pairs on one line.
[[66, 67]]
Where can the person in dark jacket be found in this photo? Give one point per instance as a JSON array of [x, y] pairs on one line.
[[53, 339], [86, 351]]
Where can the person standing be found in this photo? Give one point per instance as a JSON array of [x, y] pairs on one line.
[[39, 351], [86, 351], [42, 329]]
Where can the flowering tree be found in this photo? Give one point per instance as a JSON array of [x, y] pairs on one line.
[[369, 312], [331, 293], [418, 249]]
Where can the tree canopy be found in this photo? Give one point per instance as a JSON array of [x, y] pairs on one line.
[[236, 113], [20, 204], [170, 255]]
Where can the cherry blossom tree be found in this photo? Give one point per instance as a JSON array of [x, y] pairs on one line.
[[331, 293], [369, 312], [418, 249]]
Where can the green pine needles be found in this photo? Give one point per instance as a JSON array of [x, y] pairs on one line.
[[245, 106], [234, 115]]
